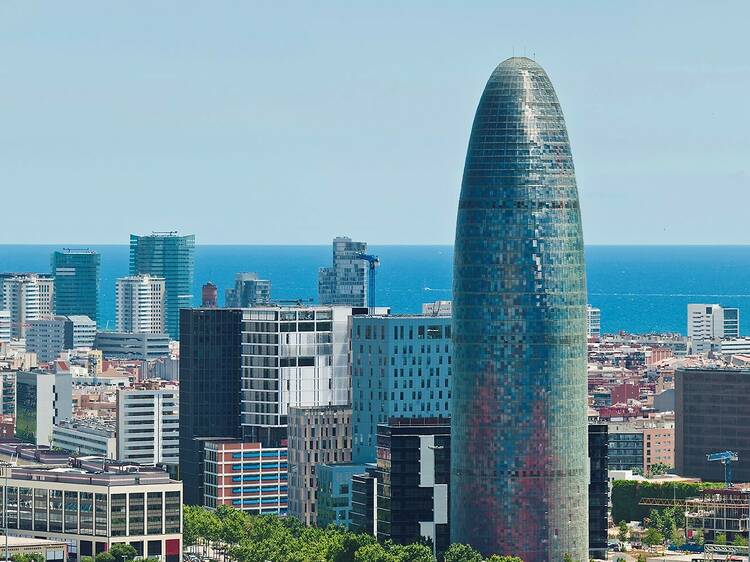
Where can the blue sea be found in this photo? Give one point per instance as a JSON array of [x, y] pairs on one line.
[[638, 288]]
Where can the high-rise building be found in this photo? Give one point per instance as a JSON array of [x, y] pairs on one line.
[[594, 323], [148, 425], [5, 324], [401, 367], [76, 273], [209, 295], [124, 345], [709, 323], [210, 388], [46, 337], [42, 400], [317, 435], [712, 414], [27, 296], [333, 502], [248, 291], [347, 281], [139, 304], [598, 491], [80, 332], [519, 476], [167, 255]]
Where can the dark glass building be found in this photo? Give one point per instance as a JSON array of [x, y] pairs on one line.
[[519, 473], [210, 382], [598, 491], [77, 276], [167, 255]]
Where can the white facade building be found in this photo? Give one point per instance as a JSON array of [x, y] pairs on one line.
[[85, 437], [80, 332], [709, 323], [437, 308], [148, 425], [139, 304], [27, 297], [46, 337], [4, 325], [43, 399], [594, 324]]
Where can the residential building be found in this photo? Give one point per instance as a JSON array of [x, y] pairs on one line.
[[248, 291], [594, 322], [658, 446], [5, 325], [598, 491], [732, 346], [43, 399], [93, 508], [401, 367], [413, 473], [148, 424], [90, 436], [347, 282], [27, 297], [77, 274], [519, 317], [209, 295], [139, 304], [172, 257], [333, 503], [246, 476], [709, 323], [124, 345], [210, 388], [80, 332], [317, 435], [711, 414], [46, 337]]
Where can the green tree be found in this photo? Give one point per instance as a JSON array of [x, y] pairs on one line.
[[622, 531], [373, 553], [657, 469], [83, 558], [676, 536], [123, 552], [462, 553], [653, 537], [498, 558], [350, 543], [720, 538], [233, 524], [739, 540], [415, 552], [641, 558], [698, 537], [105, 557]]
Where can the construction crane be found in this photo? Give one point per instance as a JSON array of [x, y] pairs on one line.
[[374, 262], [726, 458]]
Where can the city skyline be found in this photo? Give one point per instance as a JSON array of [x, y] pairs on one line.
[[208, 107]]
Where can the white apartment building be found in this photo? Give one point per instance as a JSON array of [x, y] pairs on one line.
[[85, 437], [43, 399], [148, 425], [139, 304], [80, 331], [27, 297], [709, 323], [594, 322], [4, 325]]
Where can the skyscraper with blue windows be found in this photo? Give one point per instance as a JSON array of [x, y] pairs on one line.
[[401, 367], [76, 273], [519, 469], [167, 255]]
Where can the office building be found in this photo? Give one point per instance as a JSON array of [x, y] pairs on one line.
[[413, 479], [148, 425], [711, 414], [42, 400], [93, 509], [246, 476], [291, 357], [401, 367], [123, 345], [209, 295], [210, 387], [364, 518], [594, 322], [85, 437], [709, 323], [519, 476], [76, 273], [27, 297], [317, 435], [51, 551], [140, 304], [248, 291], [5, 323], [625, 448], [349, 280], [46, 337], [333, 504], [8, 393], [598, 491], [167, 255], [80, 332]]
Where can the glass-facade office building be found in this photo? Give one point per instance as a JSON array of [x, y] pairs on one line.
[[519, 467], [77, 276], [172, 257]]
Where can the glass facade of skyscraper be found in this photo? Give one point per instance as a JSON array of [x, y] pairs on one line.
[[172, 257], [519, 436], [76, 275]]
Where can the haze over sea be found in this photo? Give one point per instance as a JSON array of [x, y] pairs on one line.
[[638, 288]]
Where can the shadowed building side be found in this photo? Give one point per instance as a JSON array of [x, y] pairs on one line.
[[519, 476]]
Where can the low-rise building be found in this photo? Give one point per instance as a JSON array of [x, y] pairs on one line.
[[42, 400], [85, 437], [121, 345], [333, 503]]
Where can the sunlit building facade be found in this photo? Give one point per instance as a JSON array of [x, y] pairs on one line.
[[519, 467]]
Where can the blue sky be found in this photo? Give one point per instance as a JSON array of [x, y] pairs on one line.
[[293, 122]]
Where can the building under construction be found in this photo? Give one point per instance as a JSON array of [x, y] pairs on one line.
[[718, 511]]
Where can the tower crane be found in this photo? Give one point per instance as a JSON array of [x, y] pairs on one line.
[[374, 262], [726, 458]]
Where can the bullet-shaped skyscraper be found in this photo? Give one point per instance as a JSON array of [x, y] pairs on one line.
[[519, 447]]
